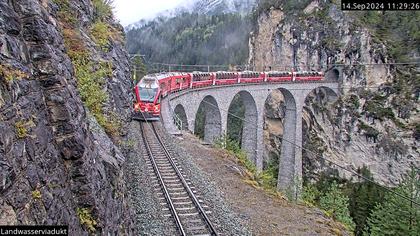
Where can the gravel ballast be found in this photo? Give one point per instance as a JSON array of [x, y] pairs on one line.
[[149, 216], [225, 220]]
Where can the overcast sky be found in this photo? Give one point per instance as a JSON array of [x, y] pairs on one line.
[[130, 11]]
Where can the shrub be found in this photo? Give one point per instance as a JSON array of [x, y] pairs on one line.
[[90, 80], [20, 128], [376, 110], [335, 203], [90, 75], [65, 13], [101, 33], [76, 50], [103, 9], [10, 74], [369, 131], [310, 195], [353, 102], [265, 179], [233, 146], [86, 219], [36, 194]]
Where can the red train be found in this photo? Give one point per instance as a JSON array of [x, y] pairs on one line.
[[152, 88]]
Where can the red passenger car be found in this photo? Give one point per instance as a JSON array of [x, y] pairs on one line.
[[202, 79], [279, 76], [308, 75], [251, 77], [223, 77], [147, 106]]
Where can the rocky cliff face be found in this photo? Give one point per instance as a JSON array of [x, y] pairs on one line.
[[59, 162], [375, 121]]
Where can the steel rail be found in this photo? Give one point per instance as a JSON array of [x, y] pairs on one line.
[[166, 193], [184, 182]]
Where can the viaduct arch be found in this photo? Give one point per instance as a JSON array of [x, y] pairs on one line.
[[218, 100]]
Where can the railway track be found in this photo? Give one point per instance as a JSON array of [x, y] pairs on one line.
[[177, 198]]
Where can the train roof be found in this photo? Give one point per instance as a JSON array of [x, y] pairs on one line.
[[279, 72], [249, 72]]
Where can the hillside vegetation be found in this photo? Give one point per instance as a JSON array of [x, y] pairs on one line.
[[191, 38]]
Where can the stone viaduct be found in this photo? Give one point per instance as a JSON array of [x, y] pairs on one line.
[[216, 101]]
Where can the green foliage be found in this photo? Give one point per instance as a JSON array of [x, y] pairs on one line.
[[376, 110], [21, 130], [369, 131], [90, 85], [335, 203], [86, 219], [272, 170], [374, 106], [90, 80], [127, 144], [140, 69], [331, 43], [90, 75], [295, 5], [395, 215], [9, 73], [353, 100], [36, 194], [233, 146], [314, 143], [310, 194], [192, 38], [103, 9], [265, 179], [101, 33], [65, 13], [399, 30], [363, 195]]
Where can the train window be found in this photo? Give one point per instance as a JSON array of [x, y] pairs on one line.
[[147, 94], [201, 77]]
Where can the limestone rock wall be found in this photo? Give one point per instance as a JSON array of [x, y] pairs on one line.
[[57, 165], [367, 126]]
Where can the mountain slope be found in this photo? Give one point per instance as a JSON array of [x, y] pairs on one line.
[[192, 38], [212, 7]]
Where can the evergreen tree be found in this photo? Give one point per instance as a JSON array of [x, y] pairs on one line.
[[334, 202], [363, 195], [140, 69], [190, 38], [395, 215]]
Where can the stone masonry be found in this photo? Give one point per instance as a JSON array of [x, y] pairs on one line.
[[216, 102]]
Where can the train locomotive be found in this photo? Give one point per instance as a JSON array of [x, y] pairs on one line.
[[151, 88]]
